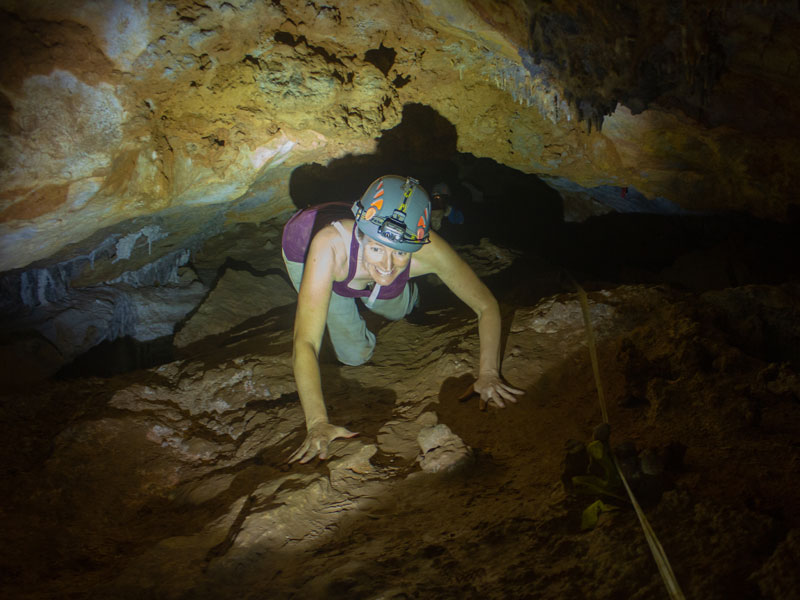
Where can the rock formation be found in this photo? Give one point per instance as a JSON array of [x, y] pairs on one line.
[[122, 120]]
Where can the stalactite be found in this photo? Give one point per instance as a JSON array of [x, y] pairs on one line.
[[530, 85]]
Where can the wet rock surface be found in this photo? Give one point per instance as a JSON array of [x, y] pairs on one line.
[[172, 482], [231, 303]]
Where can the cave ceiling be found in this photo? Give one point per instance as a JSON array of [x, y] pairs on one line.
[[116, 110]]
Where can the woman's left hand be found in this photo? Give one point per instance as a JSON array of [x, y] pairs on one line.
[[494, 392]]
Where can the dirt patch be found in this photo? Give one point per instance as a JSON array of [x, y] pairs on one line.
[[172, 482]]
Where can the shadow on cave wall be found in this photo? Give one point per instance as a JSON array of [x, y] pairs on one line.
[[497, 201], [520, 211]]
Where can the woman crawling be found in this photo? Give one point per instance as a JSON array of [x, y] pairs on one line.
[[333, 259]]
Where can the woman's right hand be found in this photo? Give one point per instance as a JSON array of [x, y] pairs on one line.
[[317, 440]]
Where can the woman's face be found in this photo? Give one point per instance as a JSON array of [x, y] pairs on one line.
[[383, 263]]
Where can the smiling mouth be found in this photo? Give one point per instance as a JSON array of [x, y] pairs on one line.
[[382, 272]]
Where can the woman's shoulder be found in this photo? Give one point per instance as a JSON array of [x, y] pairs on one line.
[[341, 230], [329, 241], [432, 257]]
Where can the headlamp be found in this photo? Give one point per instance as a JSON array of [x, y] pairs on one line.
[[392, 229], [393, 214]]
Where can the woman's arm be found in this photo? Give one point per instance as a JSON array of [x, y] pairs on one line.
[[439, 257], [309, 326]]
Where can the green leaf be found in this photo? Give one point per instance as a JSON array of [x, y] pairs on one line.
[[599, 454], [596, 450], [591, 514]]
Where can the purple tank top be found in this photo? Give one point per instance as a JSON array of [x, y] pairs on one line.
[[304, 225]]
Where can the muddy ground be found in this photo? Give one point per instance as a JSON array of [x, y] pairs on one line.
[[172, 482]]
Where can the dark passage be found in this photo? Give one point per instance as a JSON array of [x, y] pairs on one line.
[[521, 212]]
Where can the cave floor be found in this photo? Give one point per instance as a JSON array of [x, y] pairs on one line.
[[172, 482]]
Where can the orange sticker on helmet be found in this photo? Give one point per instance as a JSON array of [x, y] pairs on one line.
[[379, 193], [370, 213], [420, 233], [378, 204], [421, 222]]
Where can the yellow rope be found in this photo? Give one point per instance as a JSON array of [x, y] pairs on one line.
[[592, 350], [664, 568]]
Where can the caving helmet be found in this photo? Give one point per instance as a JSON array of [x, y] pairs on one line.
[[395, 211]]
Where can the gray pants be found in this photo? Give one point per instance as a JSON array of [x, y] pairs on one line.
[[351, 339]]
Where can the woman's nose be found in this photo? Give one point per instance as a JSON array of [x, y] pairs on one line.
[[387, 262]]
